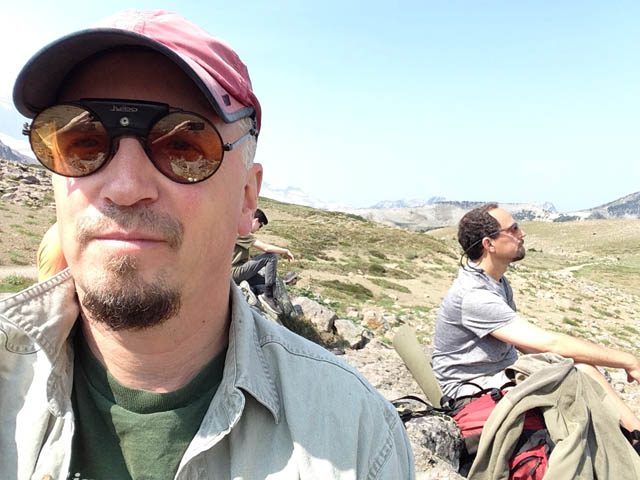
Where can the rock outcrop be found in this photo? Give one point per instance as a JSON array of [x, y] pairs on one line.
[[25, 184]]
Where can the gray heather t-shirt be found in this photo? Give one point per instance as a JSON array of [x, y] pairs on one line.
[[475, 306]]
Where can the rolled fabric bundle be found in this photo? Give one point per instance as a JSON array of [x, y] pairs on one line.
[[413, 356]]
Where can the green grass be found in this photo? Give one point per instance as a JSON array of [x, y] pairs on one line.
[[411, 255], [347, 261], [347, 290], [15, 283], [377, 269], [381, 282], [18, 258], [601, 312], [570, 321]]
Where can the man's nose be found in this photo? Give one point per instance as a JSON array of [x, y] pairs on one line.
[[130, 177]]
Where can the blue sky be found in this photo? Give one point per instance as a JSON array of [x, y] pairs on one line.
[[514, 101]]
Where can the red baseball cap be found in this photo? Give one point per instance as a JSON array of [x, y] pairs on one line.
[[213, 66]]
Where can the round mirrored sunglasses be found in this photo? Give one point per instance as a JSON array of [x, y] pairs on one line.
[[77, 139]]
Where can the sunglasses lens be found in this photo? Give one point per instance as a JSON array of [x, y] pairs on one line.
[[69, 141], [185, 147]]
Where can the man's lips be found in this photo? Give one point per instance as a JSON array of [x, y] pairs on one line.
[[131, 238]]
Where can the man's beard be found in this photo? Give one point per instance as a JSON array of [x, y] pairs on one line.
[[120, 298], [520, 254]]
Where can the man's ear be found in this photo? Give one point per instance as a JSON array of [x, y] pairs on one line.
[[250, 198], [488, 244]]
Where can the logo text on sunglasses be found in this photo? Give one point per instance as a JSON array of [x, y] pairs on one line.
[[123, 108]]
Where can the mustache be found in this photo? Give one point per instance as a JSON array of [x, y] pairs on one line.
[[140, 219]]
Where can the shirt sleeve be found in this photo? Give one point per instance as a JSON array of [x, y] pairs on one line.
[[245, 241], [484, 311]]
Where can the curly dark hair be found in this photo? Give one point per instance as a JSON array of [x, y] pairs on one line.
[[474, 226]]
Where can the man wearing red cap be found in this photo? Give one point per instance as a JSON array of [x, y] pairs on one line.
[[142, 360]]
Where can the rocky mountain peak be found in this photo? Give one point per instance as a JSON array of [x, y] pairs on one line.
[[9, 153]]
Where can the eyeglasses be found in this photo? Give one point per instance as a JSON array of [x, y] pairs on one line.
[[513, 229], [78, 139]]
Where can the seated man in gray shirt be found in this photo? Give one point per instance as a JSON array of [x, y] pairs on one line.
[[478, 331]]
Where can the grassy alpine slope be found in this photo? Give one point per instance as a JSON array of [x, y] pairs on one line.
[[578, 277]]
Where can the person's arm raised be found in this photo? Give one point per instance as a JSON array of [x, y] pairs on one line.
[[529, 338]]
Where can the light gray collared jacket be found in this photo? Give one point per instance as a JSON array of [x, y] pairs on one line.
[[286, 408]]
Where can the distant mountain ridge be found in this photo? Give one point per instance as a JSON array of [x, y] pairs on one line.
[[440, 213], [8, 153], [428, 214], [625, 207], [413, 203]]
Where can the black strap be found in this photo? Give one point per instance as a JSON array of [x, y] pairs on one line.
[[448, 405], [454, 405], [407, 414]]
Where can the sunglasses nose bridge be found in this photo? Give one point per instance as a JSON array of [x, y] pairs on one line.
[[129, 154], [127, 130], [116, 139]]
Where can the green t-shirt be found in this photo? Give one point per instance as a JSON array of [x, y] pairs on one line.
[[123, 433], [241, 250]]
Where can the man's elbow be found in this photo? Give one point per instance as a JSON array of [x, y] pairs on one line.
[[550, 343]]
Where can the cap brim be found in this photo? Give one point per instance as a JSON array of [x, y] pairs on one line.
[[38, 82]]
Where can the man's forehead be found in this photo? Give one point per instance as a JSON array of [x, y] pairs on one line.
[[504, 218]]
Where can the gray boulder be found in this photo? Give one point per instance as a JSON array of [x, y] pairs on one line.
[[322, 317]]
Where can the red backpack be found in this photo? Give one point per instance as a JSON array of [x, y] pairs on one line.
[[530, 456]]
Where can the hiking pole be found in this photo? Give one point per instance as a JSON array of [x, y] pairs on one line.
[[407, 346]]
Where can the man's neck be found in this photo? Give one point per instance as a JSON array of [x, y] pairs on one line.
[[166, 357], [492, 268]]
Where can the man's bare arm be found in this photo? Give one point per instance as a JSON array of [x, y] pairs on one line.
[[529, 338], [268, 248]]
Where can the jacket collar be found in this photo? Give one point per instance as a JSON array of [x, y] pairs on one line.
[[47, 313], [251, 371], [43, 316]]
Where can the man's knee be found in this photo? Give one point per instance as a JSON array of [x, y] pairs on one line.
[[588, 369], [271, 257]]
